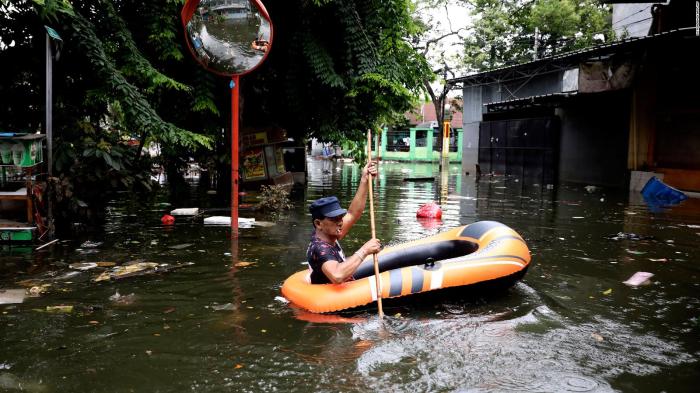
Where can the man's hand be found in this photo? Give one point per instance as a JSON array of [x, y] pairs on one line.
[[371, 247], [370, 168]]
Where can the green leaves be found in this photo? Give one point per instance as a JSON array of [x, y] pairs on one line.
[[505, 31]]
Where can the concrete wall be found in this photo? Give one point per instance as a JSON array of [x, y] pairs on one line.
[[472, 114], [594, 139]]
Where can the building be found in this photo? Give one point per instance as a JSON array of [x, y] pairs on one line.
[[422, 140], [596, 115]]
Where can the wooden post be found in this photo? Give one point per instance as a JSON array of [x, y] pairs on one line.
[[374, 233]]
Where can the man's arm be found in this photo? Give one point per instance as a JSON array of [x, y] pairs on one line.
[[339, 272], [357, 206]]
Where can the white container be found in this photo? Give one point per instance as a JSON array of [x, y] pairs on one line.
[[193, 211], [225, 220]]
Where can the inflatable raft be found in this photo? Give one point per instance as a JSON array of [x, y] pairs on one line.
[[482, 252]]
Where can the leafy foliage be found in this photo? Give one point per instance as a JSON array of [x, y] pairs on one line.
[[347, 63], [506, 32], [274, 199], [125, 79]]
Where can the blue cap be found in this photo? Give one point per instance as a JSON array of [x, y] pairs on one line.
[[326, 207]]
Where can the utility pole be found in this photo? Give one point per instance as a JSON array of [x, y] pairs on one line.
[[537, 43], [51, 34]]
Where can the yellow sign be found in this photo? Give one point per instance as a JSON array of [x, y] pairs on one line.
[[253, 164]]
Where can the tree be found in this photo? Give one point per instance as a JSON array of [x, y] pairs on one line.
[[507, 32], [437, 39], [344, 64], [125, 78]]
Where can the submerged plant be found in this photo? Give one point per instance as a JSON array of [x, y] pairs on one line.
[[274, 199]]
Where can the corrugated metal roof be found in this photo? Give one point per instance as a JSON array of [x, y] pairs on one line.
[[597, 50], [533, 99]]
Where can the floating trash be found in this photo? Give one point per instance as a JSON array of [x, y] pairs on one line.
[[639, 278], [61, 309], [123, 300], [89, 244], [167, 219], [185, 212], [223, 220], [181, 246], [281, 299], [263, 224], [628, 236], [137, 269], [12, 296], [224, 307], [83, 265]]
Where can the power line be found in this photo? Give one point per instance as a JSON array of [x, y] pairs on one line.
[[631, 15]]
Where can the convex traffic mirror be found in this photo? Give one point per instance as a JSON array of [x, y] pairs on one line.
[[229, 37]]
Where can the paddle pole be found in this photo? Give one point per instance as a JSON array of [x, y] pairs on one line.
[[371, 220]]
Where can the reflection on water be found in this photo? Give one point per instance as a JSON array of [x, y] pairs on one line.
[[569, 325], [229, 36]]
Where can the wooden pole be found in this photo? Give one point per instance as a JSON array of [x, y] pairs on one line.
[[374, 232]]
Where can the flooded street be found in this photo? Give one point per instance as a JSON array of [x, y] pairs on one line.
[[215, 324]]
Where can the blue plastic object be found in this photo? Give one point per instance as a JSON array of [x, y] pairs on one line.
[[661, 194]]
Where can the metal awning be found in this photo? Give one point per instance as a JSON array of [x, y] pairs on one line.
[[566, 60], [544, 100]]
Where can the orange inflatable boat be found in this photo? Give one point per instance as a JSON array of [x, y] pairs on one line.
[[482, 252]]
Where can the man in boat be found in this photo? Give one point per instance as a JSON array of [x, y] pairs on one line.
[[326, 259]]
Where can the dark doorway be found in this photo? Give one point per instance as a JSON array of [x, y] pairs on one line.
[[526, 148]]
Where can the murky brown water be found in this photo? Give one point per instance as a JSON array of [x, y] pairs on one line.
[[570, 325]]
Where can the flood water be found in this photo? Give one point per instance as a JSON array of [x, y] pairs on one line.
[[570, 325]]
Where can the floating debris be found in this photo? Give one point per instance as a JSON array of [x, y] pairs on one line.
[[281, 299], [224, 307], [123, 300], [223, 220], [83, 265], [9, 383], [243, 264], [185, 212], [264, 224], [658, 259], [639, 278], [38, 290], [137, 269], [628, 236], [12, 296], [181, 246], [89, 244], [61, 309]]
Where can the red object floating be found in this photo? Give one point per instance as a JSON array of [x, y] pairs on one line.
[[167, 219], [429, 223], [429, 210]]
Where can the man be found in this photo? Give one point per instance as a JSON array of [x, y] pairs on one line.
[[331, 223]]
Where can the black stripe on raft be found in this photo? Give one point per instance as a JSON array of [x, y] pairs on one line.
[[416, 280], [478, 229], [396, 282]]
